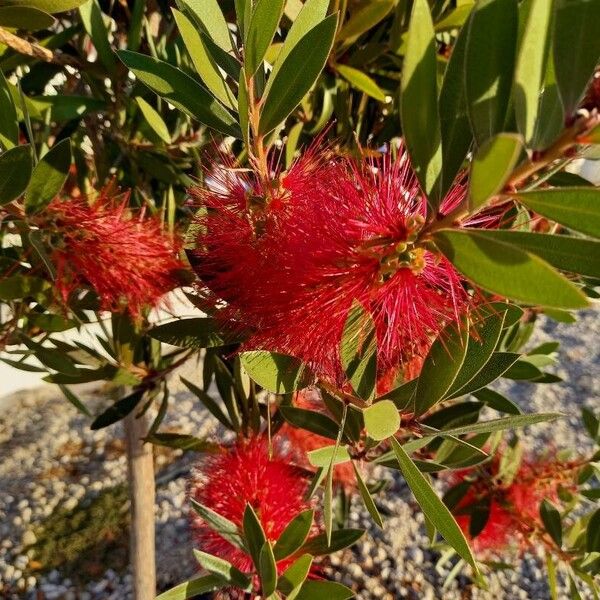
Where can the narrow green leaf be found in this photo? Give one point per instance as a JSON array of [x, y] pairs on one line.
[[49, 6], [154, 119], [418, 102], [277, 373], [224, 569], [310, 420], [322, 457], [454, 121], [363, 19], [94, 25], [507, 270], [209, 13], [592, 543], [504, 423], [324, 590], [297, 74], [358, 351], [261, 29], [489, 64], [48, 177], [340, 539], [9, 126], [495, 367], [75, 401], [196, 332], [402, 396], [181, 441], [531, 66], [119, 410], [203, 61], [208, 401], [361, 81], [15, 172], [25, 17], [367, 498], [267, 569], [552, 521], [224, 527], [576, 48], [243, 107], [492, 166], [181, 90], [194, 587], [294, 535], [254, 534], [435, 510], [293, 577], [497, 401], [577, 208], [455, 19], [441, 367], [573, 254], [381, 419]]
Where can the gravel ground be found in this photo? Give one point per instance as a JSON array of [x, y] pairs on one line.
[[50, 461]]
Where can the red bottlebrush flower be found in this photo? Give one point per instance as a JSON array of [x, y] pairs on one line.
[[244, 474], [334, 230], [128, 260], [297, 442]]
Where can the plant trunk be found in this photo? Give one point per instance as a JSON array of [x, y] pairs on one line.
[[140, 466]]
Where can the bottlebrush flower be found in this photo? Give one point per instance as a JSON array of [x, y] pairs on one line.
[[514, 517], [244, 474], [290, 260], [297, 442], [127, 259]]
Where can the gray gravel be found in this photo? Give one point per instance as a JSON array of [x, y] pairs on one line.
[[37, 477]]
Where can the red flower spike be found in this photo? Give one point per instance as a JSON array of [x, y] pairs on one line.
[[128, 260], [244, 474]]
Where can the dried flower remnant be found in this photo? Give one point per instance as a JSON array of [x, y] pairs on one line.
[[128, 259], [240, 475]]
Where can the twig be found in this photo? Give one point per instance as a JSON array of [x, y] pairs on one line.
[[24, 47]]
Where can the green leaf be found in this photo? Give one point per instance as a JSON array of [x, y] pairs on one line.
[[496, 366], [358, 351], [181, 441], [267, 569], [573, 254], [48, 177], [203, 61], [489, 65], [507, 270], [366, 497], [294, 535], [9, 126], [51, 323], [322, 457], [433, 508], [15, 172], [194, 587], [25, 17], [576, 48], [294, 576], [48, 6], [75, 401], [254, 534], [196, 332], [402, 396], [340, 539], [454, 121], [592, 543], [441, 367], [297, 74], [16, 287], [243, 107], [94, 25], [361, 81], [224, 527], [577, 208], [222, 568], [209, 13], [591, 423], [324, 590], [497, 401], [364, 19], [418, 102], [311, 421], [552, 522], [277, 373], [119, 410], [492, 166], [482, 342], [530, 69], [67, 108], [313, 12], [381, 420], [455, 19], [208, 401], [181, 90], [154, 119], [261, 29]]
